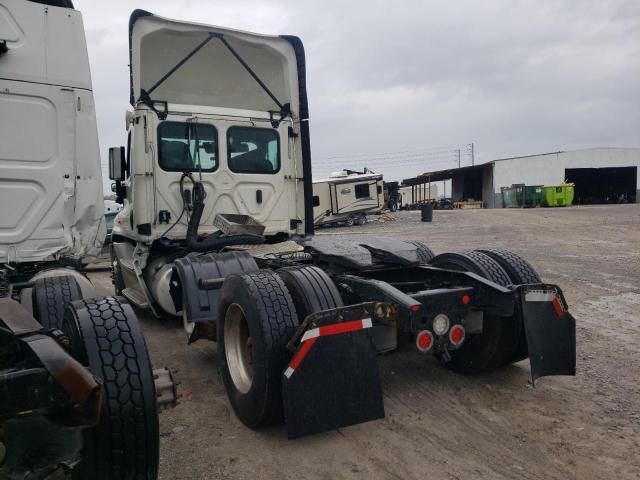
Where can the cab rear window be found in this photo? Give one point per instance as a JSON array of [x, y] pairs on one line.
[[253, 150], [187, 147]]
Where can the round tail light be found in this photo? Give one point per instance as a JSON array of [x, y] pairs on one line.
[[424, 341], [456, 335]]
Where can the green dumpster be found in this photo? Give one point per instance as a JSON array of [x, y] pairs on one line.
[[532, 196], [558, 195]]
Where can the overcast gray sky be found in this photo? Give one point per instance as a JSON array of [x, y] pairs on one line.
[[514, 77]]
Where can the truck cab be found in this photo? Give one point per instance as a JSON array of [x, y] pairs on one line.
[[219, 126], [219, 106]]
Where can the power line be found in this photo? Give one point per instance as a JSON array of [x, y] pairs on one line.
[[396, 153], [402, 159], [452, 159], [440, 164]]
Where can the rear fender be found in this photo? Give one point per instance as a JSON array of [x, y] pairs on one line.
[[191, 288]]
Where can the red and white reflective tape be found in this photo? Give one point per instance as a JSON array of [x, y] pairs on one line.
[[310, 337], [557, 307], [546, 296]]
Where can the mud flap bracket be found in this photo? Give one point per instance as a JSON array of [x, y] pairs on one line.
[[550, 330]]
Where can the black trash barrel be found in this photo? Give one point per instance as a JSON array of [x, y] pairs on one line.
[[427, 212]]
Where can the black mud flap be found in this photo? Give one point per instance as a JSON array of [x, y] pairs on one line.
[[550, 330], [333, 379]]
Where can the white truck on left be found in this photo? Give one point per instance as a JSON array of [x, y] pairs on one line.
[[78, 396]]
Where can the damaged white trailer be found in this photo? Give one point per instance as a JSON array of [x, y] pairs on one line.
[[74, 368]]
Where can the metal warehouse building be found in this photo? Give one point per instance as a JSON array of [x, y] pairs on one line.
[[601, 175]]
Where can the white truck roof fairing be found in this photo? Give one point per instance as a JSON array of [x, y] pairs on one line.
[[50, 176], [188, 65], [212, 74]]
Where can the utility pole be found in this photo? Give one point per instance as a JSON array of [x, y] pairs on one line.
[[472, 155], [458, 158]]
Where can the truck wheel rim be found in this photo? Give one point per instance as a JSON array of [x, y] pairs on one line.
[[238, 348]]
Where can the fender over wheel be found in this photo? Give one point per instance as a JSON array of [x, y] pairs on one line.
[[104, 335], [257, 317]]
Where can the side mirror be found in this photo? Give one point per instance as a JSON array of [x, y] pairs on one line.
[[116, 164]]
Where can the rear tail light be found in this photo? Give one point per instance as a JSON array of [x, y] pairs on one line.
[[456, 335], [424, 341]]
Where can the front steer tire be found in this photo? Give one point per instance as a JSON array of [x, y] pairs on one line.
[[257, 317], [105, 336]]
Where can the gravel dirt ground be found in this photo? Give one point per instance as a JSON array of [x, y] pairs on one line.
[[439, 424]]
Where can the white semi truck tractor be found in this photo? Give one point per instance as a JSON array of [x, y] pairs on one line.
[[77, 392], [217, 231]]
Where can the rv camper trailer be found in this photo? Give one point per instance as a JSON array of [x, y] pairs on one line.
[[346, 197]]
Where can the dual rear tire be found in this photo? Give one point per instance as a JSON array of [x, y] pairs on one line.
[[503, 339], [258, 313], [105, 337], [50, 296]]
